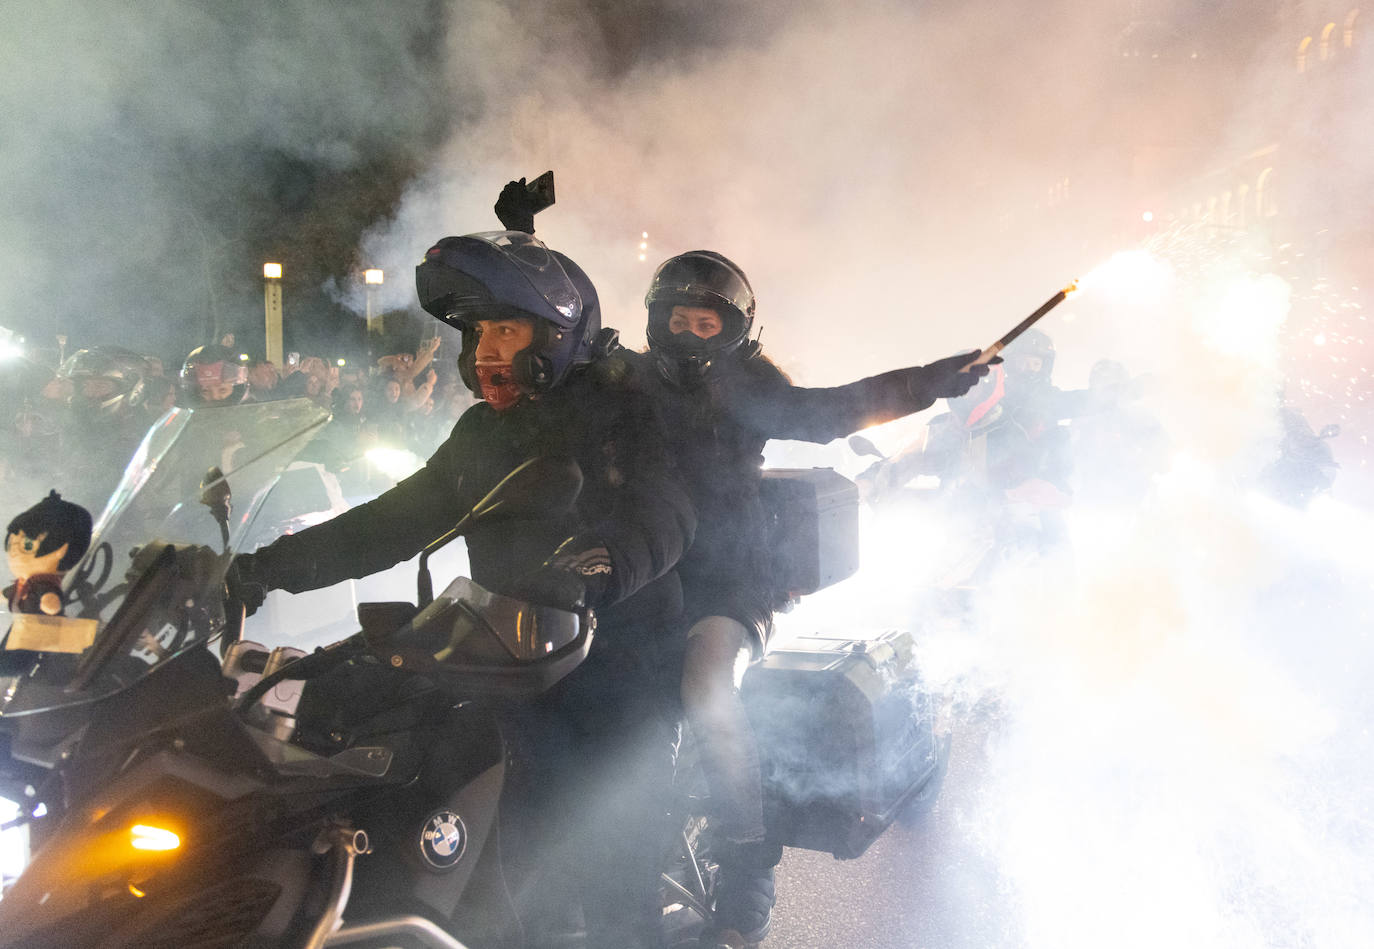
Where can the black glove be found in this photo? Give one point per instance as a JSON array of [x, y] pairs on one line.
[[514, 208], [245, 583], [947, 379], [577, 575]]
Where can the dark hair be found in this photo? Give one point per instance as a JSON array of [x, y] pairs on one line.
[[62, 521]]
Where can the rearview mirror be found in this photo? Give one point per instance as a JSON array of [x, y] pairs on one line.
[[862, 446], [538, 487], [215, 494]]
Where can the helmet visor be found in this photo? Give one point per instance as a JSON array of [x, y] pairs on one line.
[[543, 271], [701, 279]]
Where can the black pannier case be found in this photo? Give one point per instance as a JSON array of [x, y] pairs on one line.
[[813, 527], [846, 738]]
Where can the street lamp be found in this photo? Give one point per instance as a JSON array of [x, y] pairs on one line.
[[372, 279], [272, 296]]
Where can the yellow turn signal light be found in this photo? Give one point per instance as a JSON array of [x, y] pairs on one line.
[[147, 837]]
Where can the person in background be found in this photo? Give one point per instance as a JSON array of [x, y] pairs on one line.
[[262, 380], [212, 374], [97, 400]]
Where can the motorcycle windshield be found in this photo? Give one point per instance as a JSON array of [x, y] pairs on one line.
[[151, 584]]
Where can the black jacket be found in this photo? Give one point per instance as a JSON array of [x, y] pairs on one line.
[[631, 502], [717, 427]]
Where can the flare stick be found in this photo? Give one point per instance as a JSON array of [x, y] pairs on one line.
[[1024, 325]]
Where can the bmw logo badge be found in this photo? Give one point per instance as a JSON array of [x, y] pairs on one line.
[[443, 840]]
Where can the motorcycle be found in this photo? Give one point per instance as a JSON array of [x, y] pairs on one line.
[[176, 798], [176, 801]]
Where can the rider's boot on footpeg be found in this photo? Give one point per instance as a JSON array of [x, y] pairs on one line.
[[744, 896]]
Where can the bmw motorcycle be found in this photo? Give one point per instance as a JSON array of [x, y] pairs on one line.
[[177, 799], [185, 788]]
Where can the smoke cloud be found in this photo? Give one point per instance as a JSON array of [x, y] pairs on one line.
[[1179, 745], [153, 156]]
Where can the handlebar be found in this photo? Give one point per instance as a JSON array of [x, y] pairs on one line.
[[306, 667]]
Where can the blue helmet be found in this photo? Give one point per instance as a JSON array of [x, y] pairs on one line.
[[503, 274]]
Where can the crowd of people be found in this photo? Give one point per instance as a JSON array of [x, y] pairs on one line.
[[84, 418]]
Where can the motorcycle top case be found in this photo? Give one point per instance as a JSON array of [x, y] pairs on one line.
[[813, 527], [846, 738]]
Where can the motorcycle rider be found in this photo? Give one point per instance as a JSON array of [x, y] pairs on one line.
[[212, 373], [100, 392], [530, 324], [1001, 454]]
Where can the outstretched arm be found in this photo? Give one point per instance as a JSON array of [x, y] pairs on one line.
[[779, 410]]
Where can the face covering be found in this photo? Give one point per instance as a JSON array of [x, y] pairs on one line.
[[498, 385]]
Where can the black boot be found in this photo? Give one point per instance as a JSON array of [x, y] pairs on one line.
[[744, 896]]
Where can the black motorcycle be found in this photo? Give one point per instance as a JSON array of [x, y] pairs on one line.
[[174, 801]]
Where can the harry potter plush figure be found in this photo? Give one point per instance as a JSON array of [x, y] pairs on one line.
[[41, 545]]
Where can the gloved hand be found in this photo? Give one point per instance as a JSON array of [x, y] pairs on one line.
[[577, 575], [514, 207], [946, 378], [245, 583]]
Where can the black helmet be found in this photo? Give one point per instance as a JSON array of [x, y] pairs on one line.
[[698, 278], [463, 280], [107, 378], [213, 365], [1030, 346]]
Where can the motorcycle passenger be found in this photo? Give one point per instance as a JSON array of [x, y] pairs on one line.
[[530, 326], [723, 399]]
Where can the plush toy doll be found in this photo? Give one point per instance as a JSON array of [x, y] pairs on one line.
[[42, 544]]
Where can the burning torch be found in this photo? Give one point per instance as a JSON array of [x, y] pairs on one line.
[[986, 355]]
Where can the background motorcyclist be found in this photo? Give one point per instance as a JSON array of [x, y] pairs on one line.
[[1002, 457], [1305, 466], [211, 374], [530, 323], [99, 395]]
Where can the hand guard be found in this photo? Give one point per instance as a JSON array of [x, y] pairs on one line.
[[575, 576], [513, 207]]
